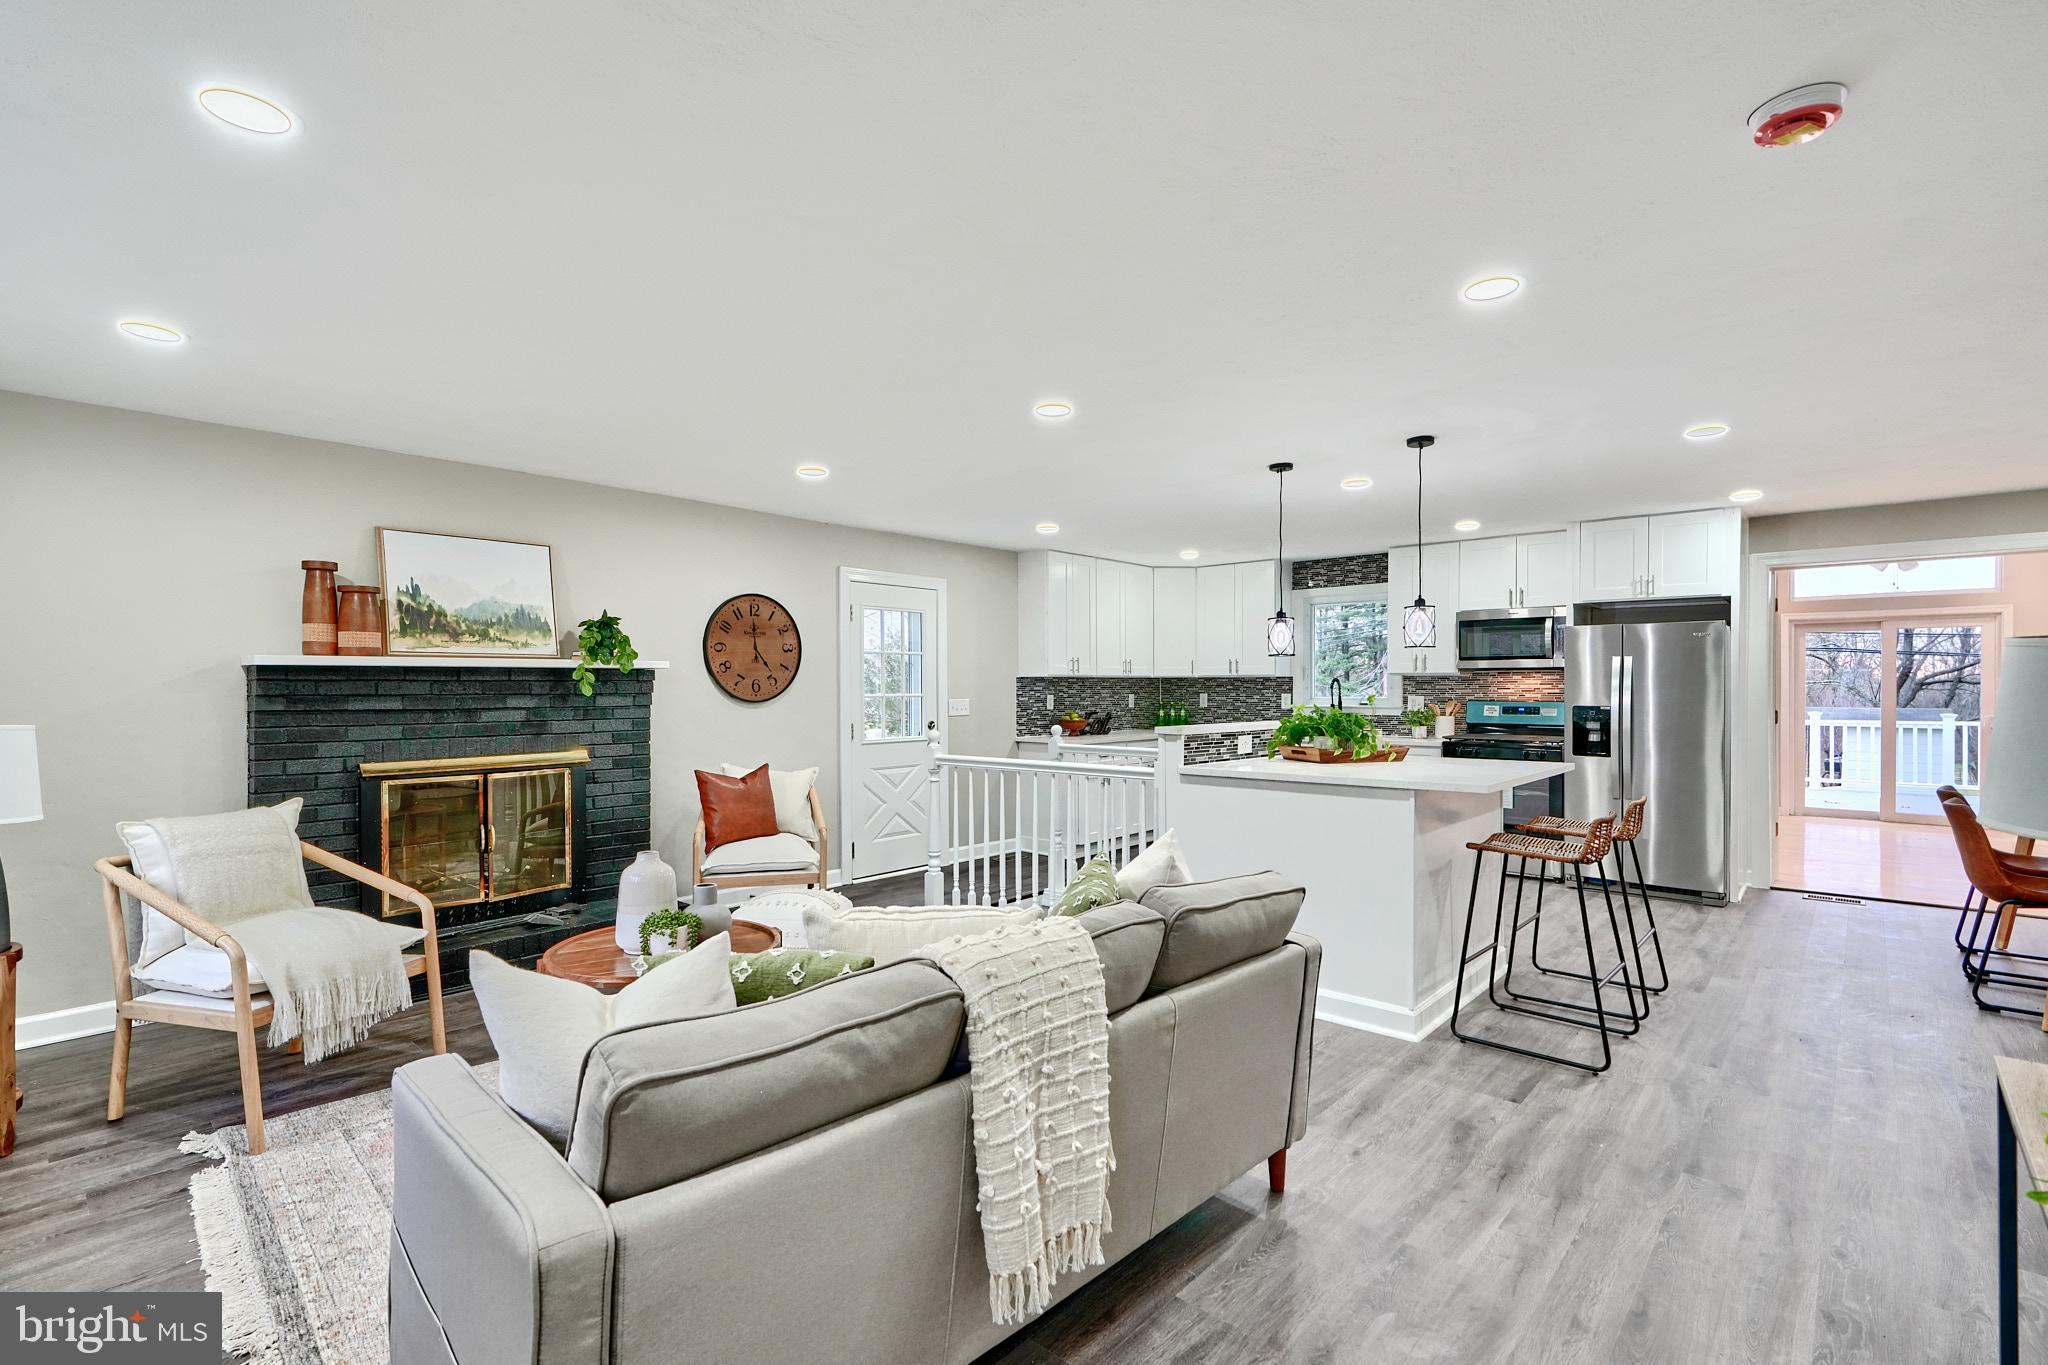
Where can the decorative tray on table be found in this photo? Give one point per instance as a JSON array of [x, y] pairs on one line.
[[1306, 753]]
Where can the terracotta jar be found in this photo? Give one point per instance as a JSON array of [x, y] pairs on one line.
[[361, 628], [316, 608]]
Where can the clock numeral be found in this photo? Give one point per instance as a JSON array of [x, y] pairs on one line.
[[789, 649], [718, 646], [725, 626], [757, 687], [753, 608], [783, 629], [774, 681], [738, 615], [784, 667], [725, 665]]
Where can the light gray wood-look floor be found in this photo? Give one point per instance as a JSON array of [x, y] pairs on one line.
[[1793, 1163]]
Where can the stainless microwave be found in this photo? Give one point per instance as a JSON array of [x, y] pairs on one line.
[[1512, 637]]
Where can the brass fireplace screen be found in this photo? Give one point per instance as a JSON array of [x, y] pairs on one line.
[[466, 831]]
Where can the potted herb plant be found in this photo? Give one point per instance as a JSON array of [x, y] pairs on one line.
[[1347, 734], [1418, 720]]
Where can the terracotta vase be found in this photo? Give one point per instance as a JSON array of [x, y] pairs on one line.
[[316, 608], [361, 627]]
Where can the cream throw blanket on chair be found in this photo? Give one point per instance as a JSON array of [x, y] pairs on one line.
[[1038, 1039], [332, 974]]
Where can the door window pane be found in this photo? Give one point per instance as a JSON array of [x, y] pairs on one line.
[[1348, 646], [1976, 573], [1843, 725], [1938, 679], [892, 673]]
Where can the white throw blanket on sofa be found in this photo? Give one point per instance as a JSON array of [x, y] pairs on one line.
[[1038, 1038]]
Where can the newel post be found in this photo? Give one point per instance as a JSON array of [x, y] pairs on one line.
[[934, 833]]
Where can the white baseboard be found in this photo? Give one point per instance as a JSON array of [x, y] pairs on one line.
[[59, 1026]]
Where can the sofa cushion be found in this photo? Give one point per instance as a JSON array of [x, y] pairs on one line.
[[1127, 937], [1093, 885], [1210, 925], [771, 853], [1161, 864], [542, 1025], [891, 933], [663, 1102]]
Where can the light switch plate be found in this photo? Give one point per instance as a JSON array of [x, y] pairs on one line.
[[1048, 701], [956, 706], [1286, 701], [1202, 700], [1244, 746], [1130, 700]]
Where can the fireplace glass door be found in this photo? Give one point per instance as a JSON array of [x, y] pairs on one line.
[[433, 832], [529, 832]]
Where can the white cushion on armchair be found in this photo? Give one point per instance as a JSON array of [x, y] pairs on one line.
[[769, 853], [196, 969]]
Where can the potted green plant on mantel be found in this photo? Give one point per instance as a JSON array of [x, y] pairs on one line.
[[601, 640], [1418, 719], [1327, 734]]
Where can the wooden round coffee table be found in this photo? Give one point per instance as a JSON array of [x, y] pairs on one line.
[[595, 959]]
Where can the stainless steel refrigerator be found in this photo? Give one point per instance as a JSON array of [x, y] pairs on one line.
[[1647, 715]]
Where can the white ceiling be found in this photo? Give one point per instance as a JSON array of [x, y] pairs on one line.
[[686, 246]]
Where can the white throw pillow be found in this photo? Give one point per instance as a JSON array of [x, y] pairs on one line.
[[1163, 864], [196, 969], [791, 789], [544, 1026], [889, 934], [150, 859]]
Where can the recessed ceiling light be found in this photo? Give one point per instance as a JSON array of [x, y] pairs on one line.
[[1356, 483], [1745, 495], [1706, 431], [1190, 554], [1047, 528], [1491, 288], [1053, 408], [250, 112], [150, 331], [813, 471], [1466, 525]]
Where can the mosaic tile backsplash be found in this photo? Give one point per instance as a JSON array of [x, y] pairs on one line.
[[1231, 697]]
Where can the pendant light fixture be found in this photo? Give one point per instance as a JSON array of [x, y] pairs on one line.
[[1418, 622], [1280, 626]]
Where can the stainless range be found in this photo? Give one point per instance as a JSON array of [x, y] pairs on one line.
[[1531, 731]]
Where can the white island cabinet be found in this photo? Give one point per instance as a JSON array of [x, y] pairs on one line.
[[1381, 849]]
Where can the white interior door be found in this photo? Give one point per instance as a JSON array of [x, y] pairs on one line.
[[891, 655]]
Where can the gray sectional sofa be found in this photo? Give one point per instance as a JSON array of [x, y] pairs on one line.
[[794, 1181]]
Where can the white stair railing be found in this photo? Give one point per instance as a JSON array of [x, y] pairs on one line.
[[1005, 831]]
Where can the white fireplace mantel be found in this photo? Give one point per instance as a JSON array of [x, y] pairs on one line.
[[414, 661]]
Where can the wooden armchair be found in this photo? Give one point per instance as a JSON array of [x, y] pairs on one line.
[[781, 859], [242, 1013]]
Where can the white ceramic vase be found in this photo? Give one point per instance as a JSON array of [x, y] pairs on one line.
[[648, 884]]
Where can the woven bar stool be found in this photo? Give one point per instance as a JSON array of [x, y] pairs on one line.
[[1625, 831], [1577, 855]]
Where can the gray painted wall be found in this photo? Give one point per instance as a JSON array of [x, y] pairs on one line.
[[1995, 514], [145, 556]]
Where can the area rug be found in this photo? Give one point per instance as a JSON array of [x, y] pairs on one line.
[[296, 1241]]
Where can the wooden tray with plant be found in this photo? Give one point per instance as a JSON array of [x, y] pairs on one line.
[[1325, 734]]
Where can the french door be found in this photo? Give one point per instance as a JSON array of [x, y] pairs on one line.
[[1891, 708]]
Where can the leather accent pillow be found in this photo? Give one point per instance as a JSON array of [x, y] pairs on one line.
[[792, 791], [736, 808]]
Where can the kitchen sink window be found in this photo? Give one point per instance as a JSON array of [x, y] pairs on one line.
[[1347, 635]]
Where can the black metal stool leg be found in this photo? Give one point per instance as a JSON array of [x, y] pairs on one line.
[[1649, 918], [1467, 955], [1622, 948]]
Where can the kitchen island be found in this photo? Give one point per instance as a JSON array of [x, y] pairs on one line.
[[1381, 849]]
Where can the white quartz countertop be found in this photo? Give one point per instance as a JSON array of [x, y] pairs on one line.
[[1225, 727], [1418, 772], [1112, 737]]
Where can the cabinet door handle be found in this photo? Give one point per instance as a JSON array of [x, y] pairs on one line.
[[1653, 585]]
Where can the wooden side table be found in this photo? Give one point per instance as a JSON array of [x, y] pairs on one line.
[[595, 958], [10, 1094]]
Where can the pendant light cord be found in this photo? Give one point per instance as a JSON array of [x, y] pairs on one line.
[[1280, 566], [1419, 596]]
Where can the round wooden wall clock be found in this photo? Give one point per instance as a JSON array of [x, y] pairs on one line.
[[752, 648]]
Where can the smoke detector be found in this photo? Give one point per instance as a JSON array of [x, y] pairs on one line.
[[1798, 115]]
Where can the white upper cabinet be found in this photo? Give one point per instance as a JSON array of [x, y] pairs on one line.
[[1543, 567], [1489, 575], [1695, 554], [1218, 637], [1503, 572], [1123, 618], [1055, 613], [1257, 586], [1173, 623], [1441, 584], [1682, 554]]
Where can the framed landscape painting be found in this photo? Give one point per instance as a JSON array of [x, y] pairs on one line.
[[464, 595]]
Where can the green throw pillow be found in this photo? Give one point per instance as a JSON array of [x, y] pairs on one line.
[[780, 971], [1093, 885]]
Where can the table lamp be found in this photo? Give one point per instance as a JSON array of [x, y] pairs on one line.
[[2015, 794], [21, 797]]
